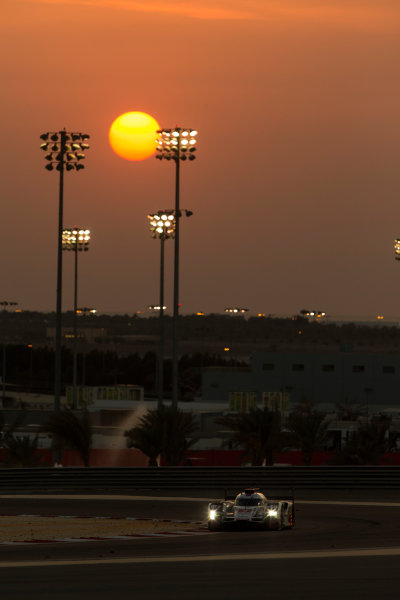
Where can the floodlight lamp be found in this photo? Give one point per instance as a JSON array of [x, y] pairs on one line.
[[44, 146], [192, 142], [80, 156], [183, 157], [76, 147], [59, 167], [44, 136], [75, 136], [175, 133], [54, 137], [397, 249], [185, 133], [49, 157], [192, 157], [159, 156], [85, 136], [54, 147], [85, 146], [193, 132], [71, 156], [49, 167], [184, 142], [79, 166], [69, 167]]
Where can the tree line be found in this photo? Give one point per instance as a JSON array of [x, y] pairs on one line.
[[164, 435]]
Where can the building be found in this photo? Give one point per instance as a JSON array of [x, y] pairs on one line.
[[370, 382]]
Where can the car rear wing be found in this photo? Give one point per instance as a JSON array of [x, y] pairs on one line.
[[228, 496]]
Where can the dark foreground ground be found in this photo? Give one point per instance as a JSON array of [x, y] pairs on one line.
[[336, 550]]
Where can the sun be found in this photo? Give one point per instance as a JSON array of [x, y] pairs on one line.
[[133, 135]]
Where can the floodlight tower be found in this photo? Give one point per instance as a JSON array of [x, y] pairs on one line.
[[75, 240], [177, 144], [162, 226], [64, 153]]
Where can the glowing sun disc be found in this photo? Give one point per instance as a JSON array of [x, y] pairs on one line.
[[133, 135]]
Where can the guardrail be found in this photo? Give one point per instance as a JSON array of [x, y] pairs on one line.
[[164, 478]]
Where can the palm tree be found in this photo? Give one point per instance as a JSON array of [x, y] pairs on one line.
[[147, 438], [367, 445], [20, 450], [165, 432], [308, 428], [72, 431], [257, 432]]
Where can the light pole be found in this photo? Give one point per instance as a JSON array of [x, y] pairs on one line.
[[162, 226], [5, 304], [75, 240], [85, 310], [176, 144], [64, 153]]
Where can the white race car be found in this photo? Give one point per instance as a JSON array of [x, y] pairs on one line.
[[251, 508]]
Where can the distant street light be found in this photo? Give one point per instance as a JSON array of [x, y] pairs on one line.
[[177, 144], [162, 226], [236, 310], [64, 153], [75, 240], [86, 310]]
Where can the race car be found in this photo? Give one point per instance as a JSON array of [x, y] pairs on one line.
[[251, 508]]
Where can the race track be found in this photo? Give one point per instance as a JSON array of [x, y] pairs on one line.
[[340, 547]]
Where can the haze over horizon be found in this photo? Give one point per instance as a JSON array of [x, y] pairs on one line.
[[296, 183]]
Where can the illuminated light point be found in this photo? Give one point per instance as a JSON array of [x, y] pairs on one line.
[[133, 135], [236, 310]]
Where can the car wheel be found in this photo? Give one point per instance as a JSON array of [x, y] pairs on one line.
[[275, 525]]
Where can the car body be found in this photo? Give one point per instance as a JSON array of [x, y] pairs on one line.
[[252, 509]]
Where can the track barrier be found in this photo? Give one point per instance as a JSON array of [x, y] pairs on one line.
[[164, 478]]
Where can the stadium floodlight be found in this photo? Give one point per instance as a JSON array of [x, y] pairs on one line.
[[58, 160], [75, 240], [397, 249], [178, 144], [162, 226]]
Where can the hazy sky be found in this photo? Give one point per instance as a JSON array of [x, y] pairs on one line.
[[296, 186]]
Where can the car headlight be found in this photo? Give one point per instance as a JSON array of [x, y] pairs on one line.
[[212, 514], [272, 513]]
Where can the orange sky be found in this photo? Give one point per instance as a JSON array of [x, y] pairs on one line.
[[295, 189]]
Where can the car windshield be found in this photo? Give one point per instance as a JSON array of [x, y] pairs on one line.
[[249, 502]]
